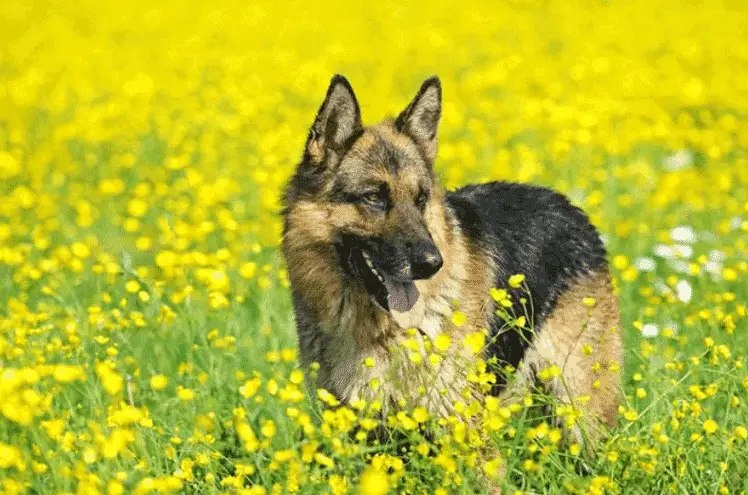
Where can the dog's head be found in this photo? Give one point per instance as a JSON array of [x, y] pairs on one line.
[[378, 192]]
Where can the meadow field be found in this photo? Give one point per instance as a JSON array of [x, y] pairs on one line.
[[147, 342]]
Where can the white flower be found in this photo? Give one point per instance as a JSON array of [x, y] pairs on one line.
[[684, 233], [650, 330], [684, 291]]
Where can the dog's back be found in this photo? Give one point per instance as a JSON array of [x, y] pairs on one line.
[[568, 303], [533, 231]]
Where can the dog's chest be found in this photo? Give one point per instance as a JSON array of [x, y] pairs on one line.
[[369, 357]]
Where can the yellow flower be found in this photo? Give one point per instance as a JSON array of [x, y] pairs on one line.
[[248, 270], [65, 373], [498, 295], [631, 415], [420, 414], [549, 373], [459, 318], [9, 166], [530, 466], [137, 207], [620, 261], [296, 377], [166, 259], [185, 394], [442, 342], [338, 484], [53, 428], [630, 274], [475, 341], [216, 300], [115, 487], [89, 455], [247, 436], [741, 432], [268, 428], [516, 280], [263, 282], [159, 382], [132, 286], [374, 482], [11, 457], [113, 383], [492, 468], [327, 397], [80, 250], [730, 274], [324, 460], [710, 426]]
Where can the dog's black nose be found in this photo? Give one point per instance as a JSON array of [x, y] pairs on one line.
[[426, 260]]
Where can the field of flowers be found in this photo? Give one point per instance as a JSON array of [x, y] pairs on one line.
[[146, 338]]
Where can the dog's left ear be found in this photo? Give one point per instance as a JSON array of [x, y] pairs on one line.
[[420, 120]]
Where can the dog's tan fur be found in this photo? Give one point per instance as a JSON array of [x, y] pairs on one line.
[[560, 342]]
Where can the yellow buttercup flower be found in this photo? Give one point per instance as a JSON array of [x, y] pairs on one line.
[[516, 280], [710, 426], [459, 318], [373, 482], [159, 382], [185, 394], [442, 342]]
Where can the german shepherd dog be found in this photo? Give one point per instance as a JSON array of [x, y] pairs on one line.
[[375, 248]]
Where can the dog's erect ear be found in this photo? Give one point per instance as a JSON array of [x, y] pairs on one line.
[[420, 120], [338, 122]]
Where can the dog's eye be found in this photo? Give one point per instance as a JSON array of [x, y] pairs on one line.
[[421, 199], [373, 198]]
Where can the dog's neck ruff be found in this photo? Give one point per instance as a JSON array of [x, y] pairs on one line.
[[361, 330]]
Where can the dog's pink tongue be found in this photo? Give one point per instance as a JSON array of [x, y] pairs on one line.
[[406, 304]]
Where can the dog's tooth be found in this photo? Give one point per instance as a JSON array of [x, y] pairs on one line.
[[367, 259], [370, 264]]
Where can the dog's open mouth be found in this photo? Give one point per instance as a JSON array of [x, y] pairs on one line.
[[399, 297]]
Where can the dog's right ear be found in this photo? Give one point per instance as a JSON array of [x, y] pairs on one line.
[[420, 120], [338, 123]]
